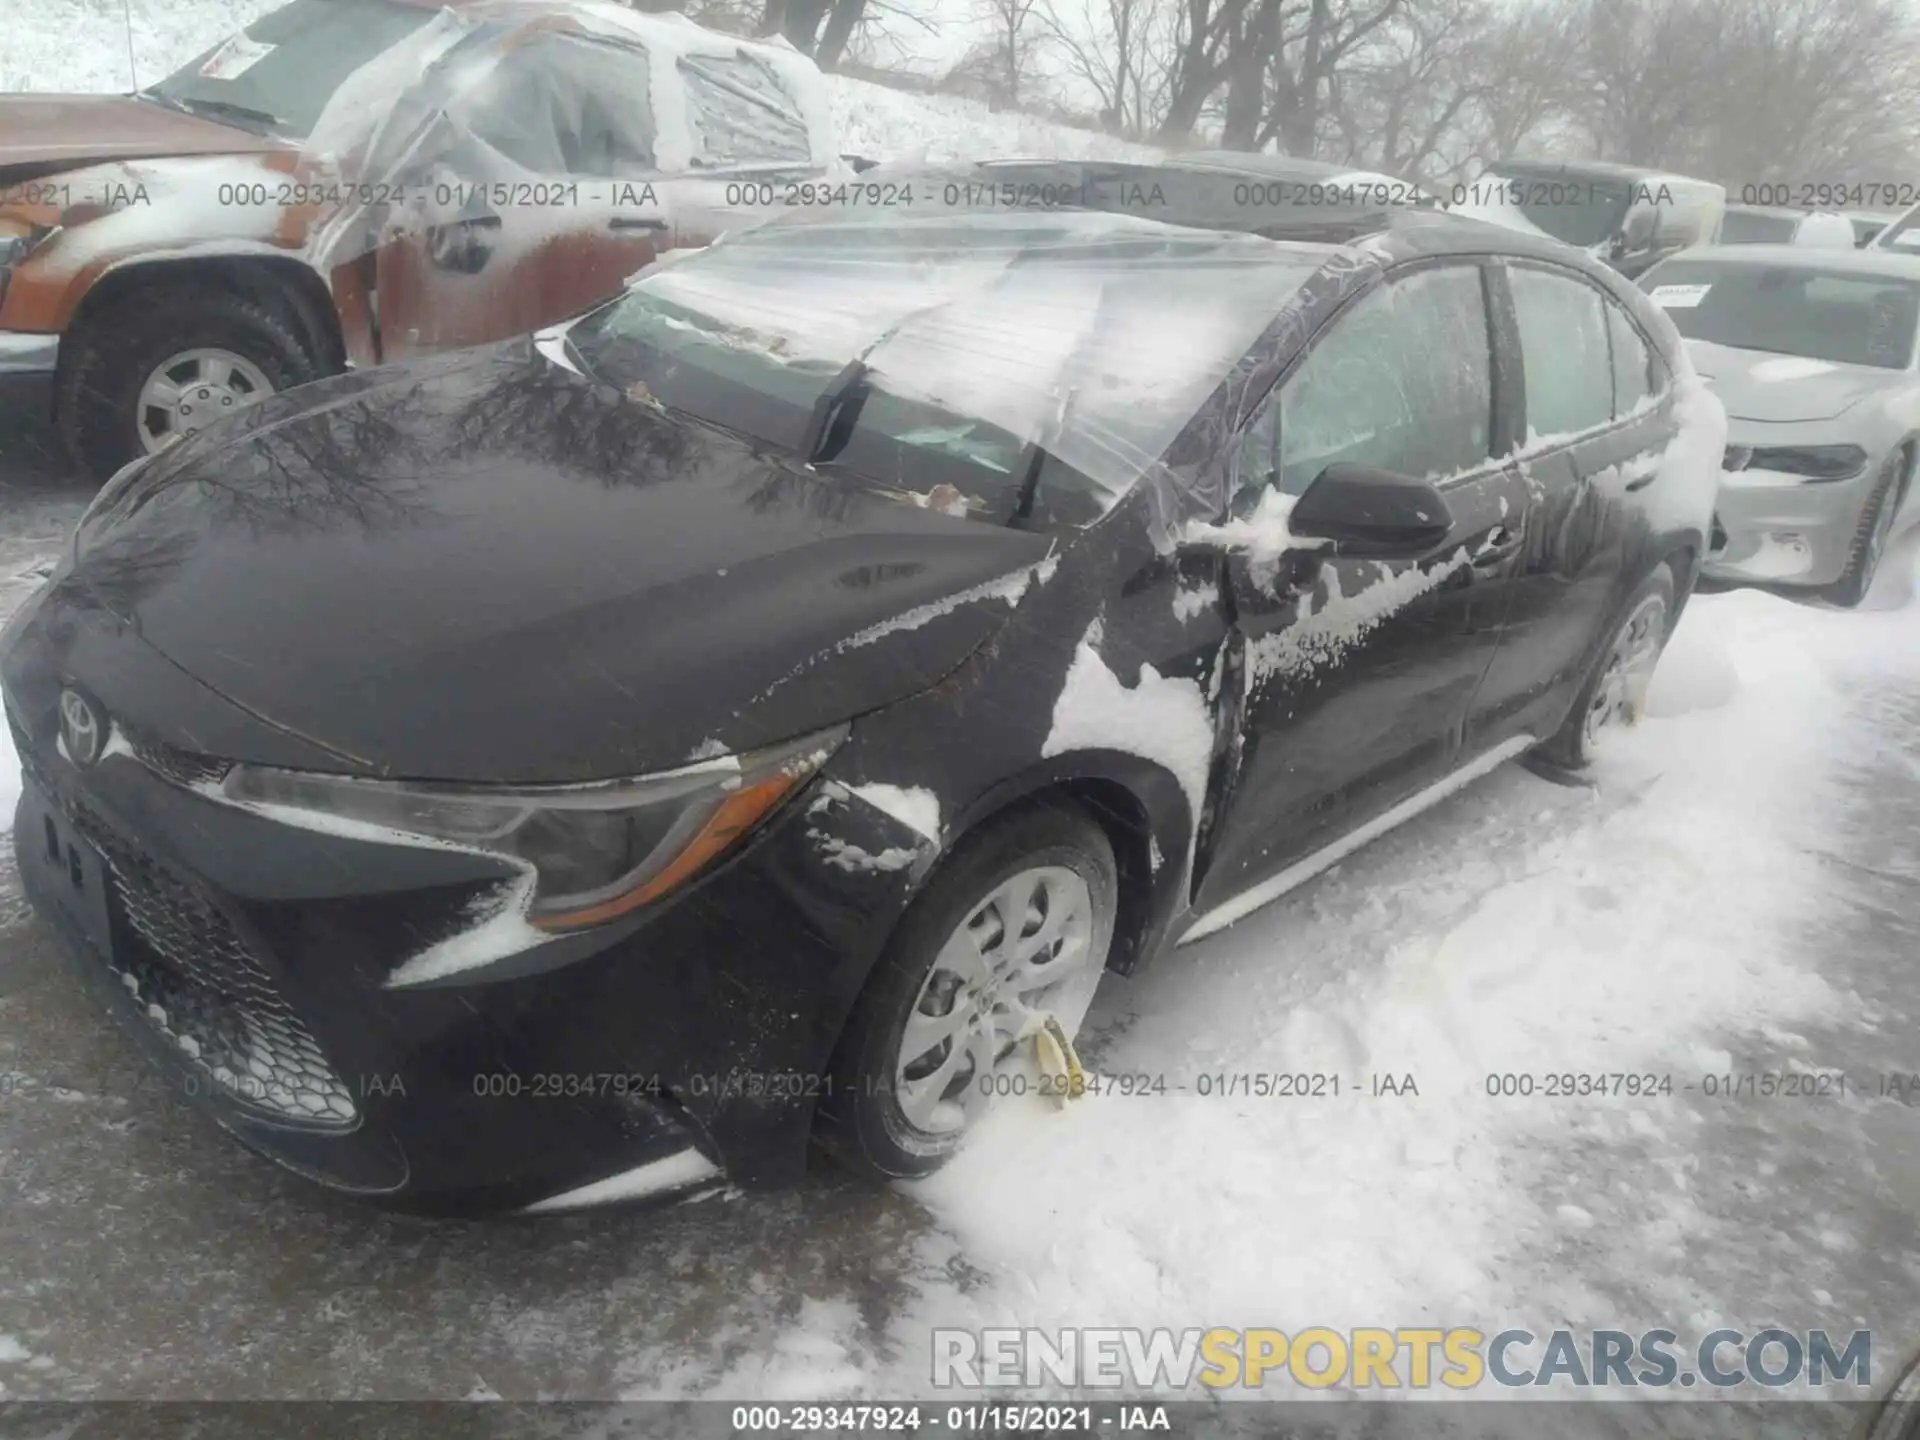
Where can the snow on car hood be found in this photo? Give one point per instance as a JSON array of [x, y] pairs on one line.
[[49, 134], [1761, 385], [487, 567]]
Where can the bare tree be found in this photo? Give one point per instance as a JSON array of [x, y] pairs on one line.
[[1801, 92], [1117, 49], [801, 23], [1014, 45]]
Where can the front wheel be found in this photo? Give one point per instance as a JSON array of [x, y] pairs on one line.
[[1014, 928], [163, 364], [1616, 691], [1875, 528]]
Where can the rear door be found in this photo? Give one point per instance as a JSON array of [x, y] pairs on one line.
[[1597, 419], [1357, 676]]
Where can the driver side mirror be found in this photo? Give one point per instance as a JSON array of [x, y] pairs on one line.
[[1370, 512]]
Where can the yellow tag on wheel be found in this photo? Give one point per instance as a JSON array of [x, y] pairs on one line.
[[1059, 1063]]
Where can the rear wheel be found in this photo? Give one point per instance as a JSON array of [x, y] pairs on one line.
[[1875, 528], [1015, 927], [166, 363], [1616, 691]]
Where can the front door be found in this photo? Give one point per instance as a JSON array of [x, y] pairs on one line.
[[1358, 675], [535, 198]]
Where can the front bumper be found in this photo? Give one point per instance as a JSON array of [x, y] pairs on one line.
[[655, 1057], [1785, 529], [27, 367]]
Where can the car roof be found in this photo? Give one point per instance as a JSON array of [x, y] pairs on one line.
[[1800, 212], [1595, 169], [1247, 162], [1890, 264], [1326, 223]]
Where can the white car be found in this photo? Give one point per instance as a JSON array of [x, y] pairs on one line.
[[1902, 234], [1777, 225]]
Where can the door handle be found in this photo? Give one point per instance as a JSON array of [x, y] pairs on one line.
[[1500, 546], [636, 222]]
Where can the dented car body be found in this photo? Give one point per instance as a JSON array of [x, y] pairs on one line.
[[504, 780], [349, 182]]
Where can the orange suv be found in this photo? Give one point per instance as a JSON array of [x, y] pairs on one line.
[[354, 181]]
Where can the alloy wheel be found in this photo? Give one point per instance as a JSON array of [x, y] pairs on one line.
[[1024, 952], [1621, 694], [193, 389]]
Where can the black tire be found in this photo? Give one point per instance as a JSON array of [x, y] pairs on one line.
[[860, 1122], [1572, 747], [115, 351], [1869, 543]]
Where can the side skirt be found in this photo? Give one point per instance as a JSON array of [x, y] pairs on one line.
[[1301, 871]]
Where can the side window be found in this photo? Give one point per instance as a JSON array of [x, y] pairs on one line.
[[741, 113], [1402, 382], [1563, 344], [562, 105], [1632, 362]]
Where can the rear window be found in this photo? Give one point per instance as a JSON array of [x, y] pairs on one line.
[[278, 74], [741, 113], [1849, 319]]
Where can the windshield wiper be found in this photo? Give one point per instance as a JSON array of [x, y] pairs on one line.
[[199, 105], [821, 428]]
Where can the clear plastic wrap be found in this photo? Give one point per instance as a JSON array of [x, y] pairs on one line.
[[583, 115], [1093, 340], [472, 174]]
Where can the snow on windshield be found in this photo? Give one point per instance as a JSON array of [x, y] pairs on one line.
[[1096, 336]]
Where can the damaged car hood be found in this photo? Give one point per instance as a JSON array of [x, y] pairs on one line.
[[487, 567]]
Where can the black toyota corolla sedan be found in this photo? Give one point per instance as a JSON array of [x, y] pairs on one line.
[[600, 765]]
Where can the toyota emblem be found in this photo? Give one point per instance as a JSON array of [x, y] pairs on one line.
[[83, 730]]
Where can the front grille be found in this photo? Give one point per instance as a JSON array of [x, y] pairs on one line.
[[182, 767], [197, 979]]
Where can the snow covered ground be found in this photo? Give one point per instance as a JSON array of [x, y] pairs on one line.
[[1677, 919], [1734, 893]]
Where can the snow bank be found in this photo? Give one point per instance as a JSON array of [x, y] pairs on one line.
[[1643, 926], [890, 124]]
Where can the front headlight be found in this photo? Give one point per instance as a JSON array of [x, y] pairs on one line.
[[1816, 462], [598, 851]]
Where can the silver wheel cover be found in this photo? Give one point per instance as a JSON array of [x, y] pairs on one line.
[[193, 389], [1024, 951]]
